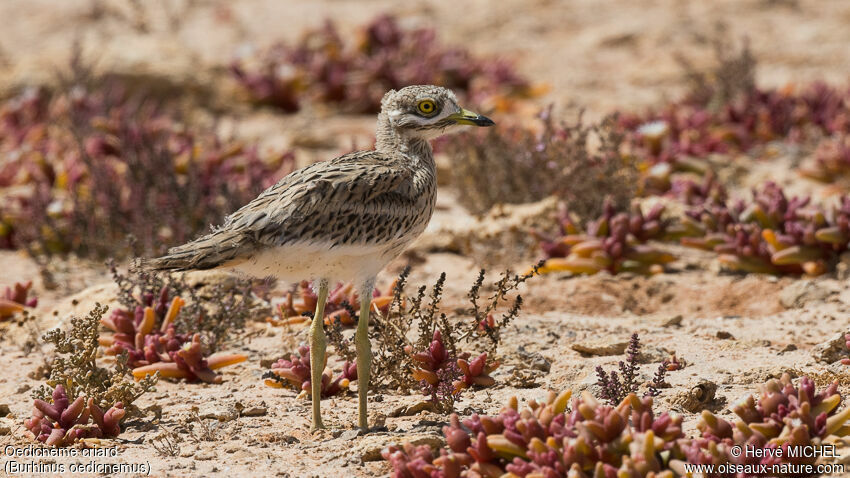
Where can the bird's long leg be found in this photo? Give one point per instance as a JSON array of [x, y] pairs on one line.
[[318, 344], [364, 352]]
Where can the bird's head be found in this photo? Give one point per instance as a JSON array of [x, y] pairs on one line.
[[427, 111]]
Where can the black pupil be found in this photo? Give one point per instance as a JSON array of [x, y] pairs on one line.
[[426, 106]]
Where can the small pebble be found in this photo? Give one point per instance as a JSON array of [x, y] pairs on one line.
[[255, 411], [413, 409], [533, 360], [602, 348], [832, 350], [349, 435], [722, 334], [220, 413]]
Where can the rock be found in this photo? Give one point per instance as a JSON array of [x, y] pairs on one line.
[[371, 446], [674, 321], [700, 397], [5, 431], [599, 347], [347, 435], [788, 348], [723, 335], [4, 410], [798, 293], [255, 411], [251, 410], [832, 350], [533, 360], [219, 412], [413, 409]]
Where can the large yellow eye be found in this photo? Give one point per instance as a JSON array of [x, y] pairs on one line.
[[427, 107]]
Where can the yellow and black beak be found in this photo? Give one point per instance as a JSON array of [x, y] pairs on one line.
[[470, 118]]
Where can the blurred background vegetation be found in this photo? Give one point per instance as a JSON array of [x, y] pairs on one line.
[[130, 126]]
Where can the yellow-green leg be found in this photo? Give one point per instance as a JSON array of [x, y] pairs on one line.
[[318, 344], [364, 354]]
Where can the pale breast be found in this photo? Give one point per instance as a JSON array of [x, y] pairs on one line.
[[356, 218], [297, 262]]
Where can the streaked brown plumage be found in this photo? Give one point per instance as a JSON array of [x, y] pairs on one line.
[[365, 198], [339, 220]]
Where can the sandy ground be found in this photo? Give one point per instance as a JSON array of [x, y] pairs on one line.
[[685, 312], [732, 331]]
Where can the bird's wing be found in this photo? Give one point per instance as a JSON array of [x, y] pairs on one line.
[[307, 204], [313, 204]]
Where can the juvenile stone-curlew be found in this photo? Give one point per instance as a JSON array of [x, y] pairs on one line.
[[339, 220]]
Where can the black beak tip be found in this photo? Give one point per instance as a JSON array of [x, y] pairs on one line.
[[483, 121]]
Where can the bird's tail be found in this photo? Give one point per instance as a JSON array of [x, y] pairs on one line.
[[207, 252]]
